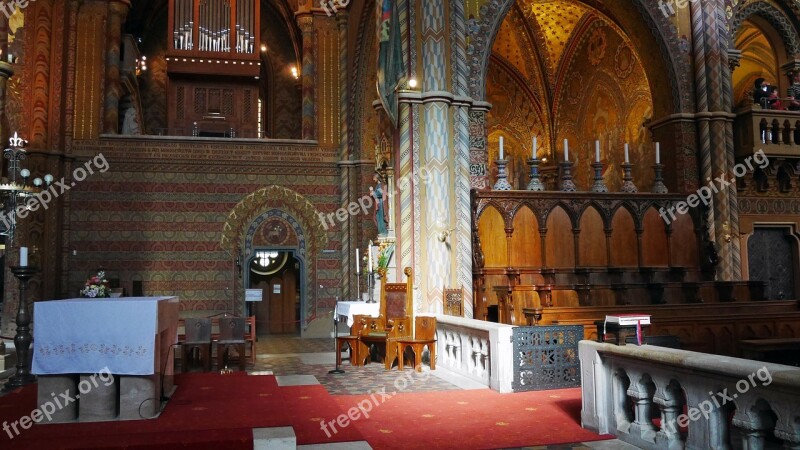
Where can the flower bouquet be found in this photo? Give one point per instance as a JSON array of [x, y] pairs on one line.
[[96, 286]]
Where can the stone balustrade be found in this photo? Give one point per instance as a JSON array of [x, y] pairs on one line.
[[776, 132], [478, 350], [660, 398]]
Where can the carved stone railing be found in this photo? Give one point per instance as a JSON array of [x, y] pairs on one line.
[[660, 398], [478, 350], [774, 131]]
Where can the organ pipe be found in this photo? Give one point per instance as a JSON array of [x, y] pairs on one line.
[[218, 30]]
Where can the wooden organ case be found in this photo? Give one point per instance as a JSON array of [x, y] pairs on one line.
[[213, 67]]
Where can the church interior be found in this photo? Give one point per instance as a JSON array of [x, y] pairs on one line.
[[495, 186]]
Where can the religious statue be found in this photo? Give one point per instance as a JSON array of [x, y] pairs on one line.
[[381, 217]]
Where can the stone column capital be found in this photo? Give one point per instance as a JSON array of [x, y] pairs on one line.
[[306, 22]]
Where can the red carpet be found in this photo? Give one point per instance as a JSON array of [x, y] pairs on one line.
[[212, 411], [453, 420], [208, 411]]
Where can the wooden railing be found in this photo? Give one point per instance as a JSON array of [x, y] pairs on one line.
[[776, 132]]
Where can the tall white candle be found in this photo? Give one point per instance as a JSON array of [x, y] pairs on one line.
[[627, 160], [566, 150], [501, 147], [358, 264], [369, 250], [658, 153], [23, 256], [535, 147], [597, 150]]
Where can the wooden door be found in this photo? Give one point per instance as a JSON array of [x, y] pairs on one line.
[[281, 300], [772, 260]]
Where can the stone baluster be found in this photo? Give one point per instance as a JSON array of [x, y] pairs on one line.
[[670, 401], [642, 395]]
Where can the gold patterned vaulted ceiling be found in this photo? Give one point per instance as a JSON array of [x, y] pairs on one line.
[[563, 69]]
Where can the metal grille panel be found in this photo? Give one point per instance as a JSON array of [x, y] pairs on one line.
[[546, 357]]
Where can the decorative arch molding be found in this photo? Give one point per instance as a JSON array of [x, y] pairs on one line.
[[775, 17], [272, 197], [294, 208], [483, 31]]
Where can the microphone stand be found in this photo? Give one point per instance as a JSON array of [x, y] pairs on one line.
[[337, 370]]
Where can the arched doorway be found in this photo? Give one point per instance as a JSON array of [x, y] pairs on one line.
[[277, 273]]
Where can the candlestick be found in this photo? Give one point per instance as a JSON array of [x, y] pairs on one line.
[[566, 150], [597, 151], [599, 183], [567, 185], [627, 184], [535, 147], [535, 183], [502, 183], [23, 256], [501, 147], [658, 153], [22, 338], [358, 265], [627, 160], [658, 185]]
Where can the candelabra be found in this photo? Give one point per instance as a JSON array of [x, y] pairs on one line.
[[567, 185], [627, 179], [13, 191], [22, 339], [658, 184], [535, 184], [502, 178], [599, 184]]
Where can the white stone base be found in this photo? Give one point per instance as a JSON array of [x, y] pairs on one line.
[[277, 438]]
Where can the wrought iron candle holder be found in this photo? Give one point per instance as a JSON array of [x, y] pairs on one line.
[[567, 185], [658, 185], [502, 177], [535, 183], [599, 183], [23, 338], [627, 179]]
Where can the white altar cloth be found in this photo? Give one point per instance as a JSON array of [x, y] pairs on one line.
[[84, 335], [349, 309]]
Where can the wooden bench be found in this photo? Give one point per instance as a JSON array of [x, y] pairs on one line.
[[780, 351], [249, 334]]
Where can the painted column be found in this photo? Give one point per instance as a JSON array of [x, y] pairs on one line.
[[478, 151], [306, 23], [713, 119], [117, 11], [349, 244]]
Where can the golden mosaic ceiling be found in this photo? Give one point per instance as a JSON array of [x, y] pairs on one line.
[[557, 20]]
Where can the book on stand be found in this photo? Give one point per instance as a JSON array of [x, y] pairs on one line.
[[628, 320]]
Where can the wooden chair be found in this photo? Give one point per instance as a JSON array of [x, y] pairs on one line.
[[197, 344], [352, 341], [424, 335], [376, 339], [454, 302], [231, 334], [397, 299]]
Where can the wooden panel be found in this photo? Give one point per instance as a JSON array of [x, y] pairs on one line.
[[654, 240], [592, 242], [685, 252], [491, 229], [623, 240], [526, 242], [560, 240]]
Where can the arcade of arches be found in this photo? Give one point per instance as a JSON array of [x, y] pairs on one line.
[[224, 147]]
